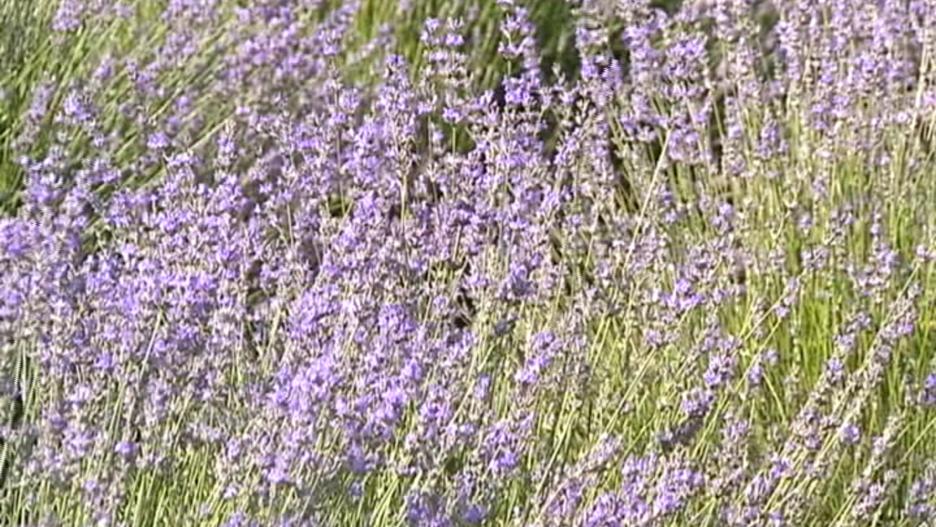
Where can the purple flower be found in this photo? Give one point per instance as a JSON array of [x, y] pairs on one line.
[[849, 434], [720, 370], [928, 391], [263, 277], [697, 402], [474, 514]]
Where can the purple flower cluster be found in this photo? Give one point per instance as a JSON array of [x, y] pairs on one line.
[[689, 283]]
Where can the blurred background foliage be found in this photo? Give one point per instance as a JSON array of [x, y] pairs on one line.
[[32, 56], [554, 20]]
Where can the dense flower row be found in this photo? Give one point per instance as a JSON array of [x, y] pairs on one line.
[[693, 284]]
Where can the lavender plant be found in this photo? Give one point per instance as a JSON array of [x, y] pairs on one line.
[[690, 282]]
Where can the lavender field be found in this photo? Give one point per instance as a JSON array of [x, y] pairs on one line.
[[446, 263]]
